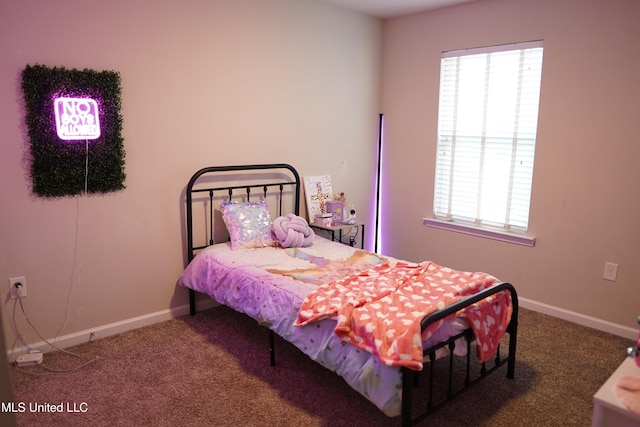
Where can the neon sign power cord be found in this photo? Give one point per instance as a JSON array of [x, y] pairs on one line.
[[86, 166], [82, 361]]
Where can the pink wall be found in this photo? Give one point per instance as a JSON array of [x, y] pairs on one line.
[[585, 200], [203, 83]]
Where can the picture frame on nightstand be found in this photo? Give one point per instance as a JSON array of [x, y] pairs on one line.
[[318, 192]]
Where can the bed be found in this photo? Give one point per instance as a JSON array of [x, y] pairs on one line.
[[365, 334]]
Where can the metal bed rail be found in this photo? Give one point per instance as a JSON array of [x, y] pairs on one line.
[[410, 377]]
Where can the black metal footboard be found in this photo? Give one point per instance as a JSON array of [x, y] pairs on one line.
[[411, 415]]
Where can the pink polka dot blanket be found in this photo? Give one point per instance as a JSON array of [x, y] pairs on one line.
[[380, 310]]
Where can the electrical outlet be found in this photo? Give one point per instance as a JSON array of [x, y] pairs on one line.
[[610, 271], [18, 287]]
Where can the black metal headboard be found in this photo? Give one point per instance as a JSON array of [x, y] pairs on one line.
[[279, 182]]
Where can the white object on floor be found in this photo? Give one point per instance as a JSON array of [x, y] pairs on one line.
[[608, 410], [33, 358]]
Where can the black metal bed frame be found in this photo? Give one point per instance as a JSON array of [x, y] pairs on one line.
[[291, 180]]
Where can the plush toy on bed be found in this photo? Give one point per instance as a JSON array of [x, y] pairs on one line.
[[293, 231]]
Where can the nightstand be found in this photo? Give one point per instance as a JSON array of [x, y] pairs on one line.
[[342, 230], [607, 408]]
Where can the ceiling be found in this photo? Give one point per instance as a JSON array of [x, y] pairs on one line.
[[393, 8]]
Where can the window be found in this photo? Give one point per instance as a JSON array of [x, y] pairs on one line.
[[487, 121]]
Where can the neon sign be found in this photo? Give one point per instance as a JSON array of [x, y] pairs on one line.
[[77, 118]]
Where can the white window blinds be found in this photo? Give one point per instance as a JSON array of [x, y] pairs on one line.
[[487, 120]]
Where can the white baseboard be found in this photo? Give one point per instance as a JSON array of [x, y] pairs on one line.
[[580, 319], [104, 331], [110, 329]]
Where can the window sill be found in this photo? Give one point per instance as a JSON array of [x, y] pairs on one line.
[[474, 231]]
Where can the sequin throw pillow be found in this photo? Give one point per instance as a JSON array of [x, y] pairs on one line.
[[248, 223]]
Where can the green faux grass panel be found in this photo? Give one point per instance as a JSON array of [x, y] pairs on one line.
[[70, 167]]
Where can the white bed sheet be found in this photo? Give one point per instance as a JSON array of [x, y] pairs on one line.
[[238, 279]]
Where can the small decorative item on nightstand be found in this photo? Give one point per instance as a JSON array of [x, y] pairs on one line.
[[323, 220], [336, 209]]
